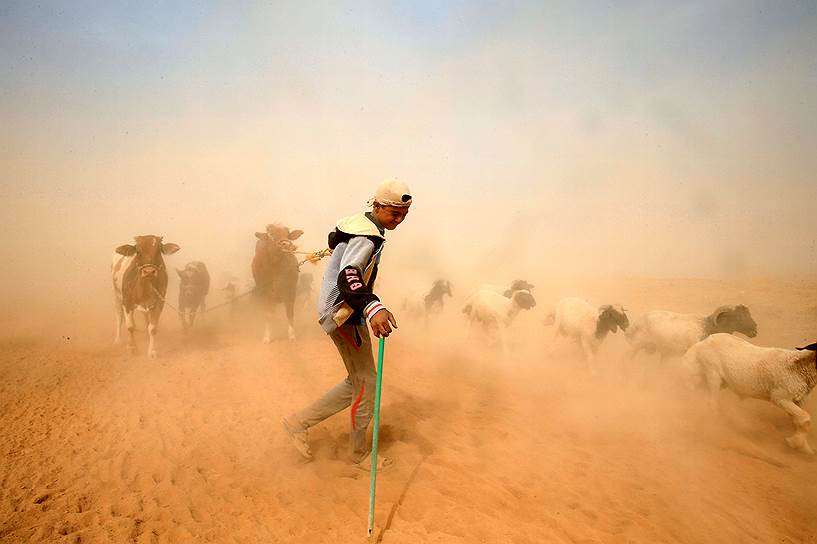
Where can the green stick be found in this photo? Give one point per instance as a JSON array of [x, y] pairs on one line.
[[380, 349]]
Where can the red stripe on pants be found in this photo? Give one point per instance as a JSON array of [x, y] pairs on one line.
[[349, 339], [356, 405]]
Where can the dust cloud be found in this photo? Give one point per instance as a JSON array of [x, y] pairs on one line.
[[658, 160]]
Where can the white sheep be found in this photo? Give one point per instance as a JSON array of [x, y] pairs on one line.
[[516, 285], [588, 325], [495, 312], [670, 333], [781, 376], [429, 302]]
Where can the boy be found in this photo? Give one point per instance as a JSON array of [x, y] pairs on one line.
[[346, 301]]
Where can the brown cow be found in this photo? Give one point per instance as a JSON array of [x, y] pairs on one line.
[[275, 271], [194, 284], [140, 283]]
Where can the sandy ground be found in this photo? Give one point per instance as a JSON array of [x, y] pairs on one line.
[[101, 446]]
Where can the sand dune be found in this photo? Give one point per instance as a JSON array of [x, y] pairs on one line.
[[101, 446]]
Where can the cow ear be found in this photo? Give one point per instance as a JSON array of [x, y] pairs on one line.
[[127, 250], [170, 248], [295, 234], [262, 235]]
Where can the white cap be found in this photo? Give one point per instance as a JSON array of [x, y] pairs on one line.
[[393, 192]]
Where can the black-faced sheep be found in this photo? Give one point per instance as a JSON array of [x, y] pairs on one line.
[[670, 333], [494, 311], [588, 325], [781, 376]]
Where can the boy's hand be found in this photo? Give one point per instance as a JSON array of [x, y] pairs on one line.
[[382, 323]]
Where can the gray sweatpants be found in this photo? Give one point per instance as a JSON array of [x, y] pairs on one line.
[[357, 390]]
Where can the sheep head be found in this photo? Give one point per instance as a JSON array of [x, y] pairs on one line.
[[611, 317], [524, 300], [518, 285], [443, 287], [731, 319]]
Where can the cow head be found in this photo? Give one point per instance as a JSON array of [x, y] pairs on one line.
[[188, 289], [148, 251], [611, 317], [731, 319], [279, 238]]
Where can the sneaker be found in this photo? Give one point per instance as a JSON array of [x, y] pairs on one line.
[[366, 463], [297, 435]]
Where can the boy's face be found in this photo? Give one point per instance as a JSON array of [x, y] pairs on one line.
[[390, 216]]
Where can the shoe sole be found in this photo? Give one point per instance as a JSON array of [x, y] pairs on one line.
[[303, 448]]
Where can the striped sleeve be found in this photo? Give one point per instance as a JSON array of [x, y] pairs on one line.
[[372, 308]]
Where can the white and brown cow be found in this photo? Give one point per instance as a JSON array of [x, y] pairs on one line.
[[275, 271], [140, 283]]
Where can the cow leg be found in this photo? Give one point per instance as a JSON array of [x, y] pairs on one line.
[[120, 318], [290, 311], [268, 327], [153, 325], [183, 318], [129, 323]]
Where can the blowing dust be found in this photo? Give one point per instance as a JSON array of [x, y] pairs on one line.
[[645, 157], [518, 446]]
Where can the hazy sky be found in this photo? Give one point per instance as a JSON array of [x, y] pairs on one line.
[[675, 138]]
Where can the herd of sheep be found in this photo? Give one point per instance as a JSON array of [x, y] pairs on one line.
[[710, 355]]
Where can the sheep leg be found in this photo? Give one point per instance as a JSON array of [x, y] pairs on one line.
[[632, 352], [589, 355], [627, 362], [713, 384], [801, 420], [693, 377], [553, 339], [503, 343]]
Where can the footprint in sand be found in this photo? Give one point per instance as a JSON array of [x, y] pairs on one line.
[[83, 504]]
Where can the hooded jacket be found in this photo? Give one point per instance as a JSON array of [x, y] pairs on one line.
[[346, 291]]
